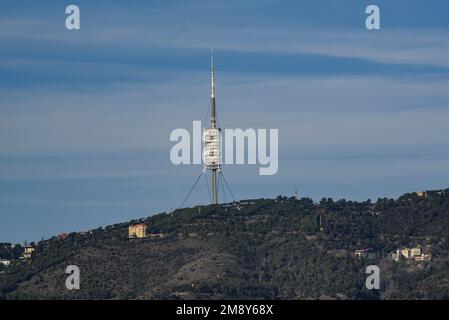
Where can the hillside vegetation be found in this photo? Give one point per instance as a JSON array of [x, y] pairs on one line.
[[255, 249]]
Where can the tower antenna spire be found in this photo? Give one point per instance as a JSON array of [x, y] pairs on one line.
[[212, 67], [212, 144], [212, 137], [212, 95]]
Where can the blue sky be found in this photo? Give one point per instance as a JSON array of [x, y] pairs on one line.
[[86, 115]]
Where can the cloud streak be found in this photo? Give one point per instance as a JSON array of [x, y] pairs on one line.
[[86, 116]]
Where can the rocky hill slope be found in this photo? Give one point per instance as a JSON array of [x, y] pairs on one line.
[[258, 249]]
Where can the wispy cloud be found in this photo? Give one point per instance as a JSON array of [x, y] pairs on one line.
[[322, 110], [86, 116], [426, 46]]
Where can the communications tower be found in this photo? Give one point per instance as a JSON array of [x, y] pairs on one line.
[[212, 151], [212, 139]]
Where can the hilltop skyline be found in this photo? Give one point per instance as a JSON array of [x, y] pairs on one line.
[[86, 115]]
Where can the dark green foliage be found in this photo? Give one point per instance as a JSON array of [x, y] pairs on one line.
[[7, 251], [257, 249]]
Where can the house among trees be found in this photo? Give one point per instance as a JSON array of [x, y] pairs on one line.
[[415, 254], [5, 262], [421, 194], [27, 252], [361, 253], [63, 236], [366, 253], [137, 231], [155, 235]]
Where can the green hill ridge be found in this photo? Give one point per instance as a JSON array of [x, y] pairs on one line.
[[253, 249]]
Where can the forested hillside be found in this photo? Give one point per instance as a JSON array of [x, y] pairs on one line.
[[283, 248]]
